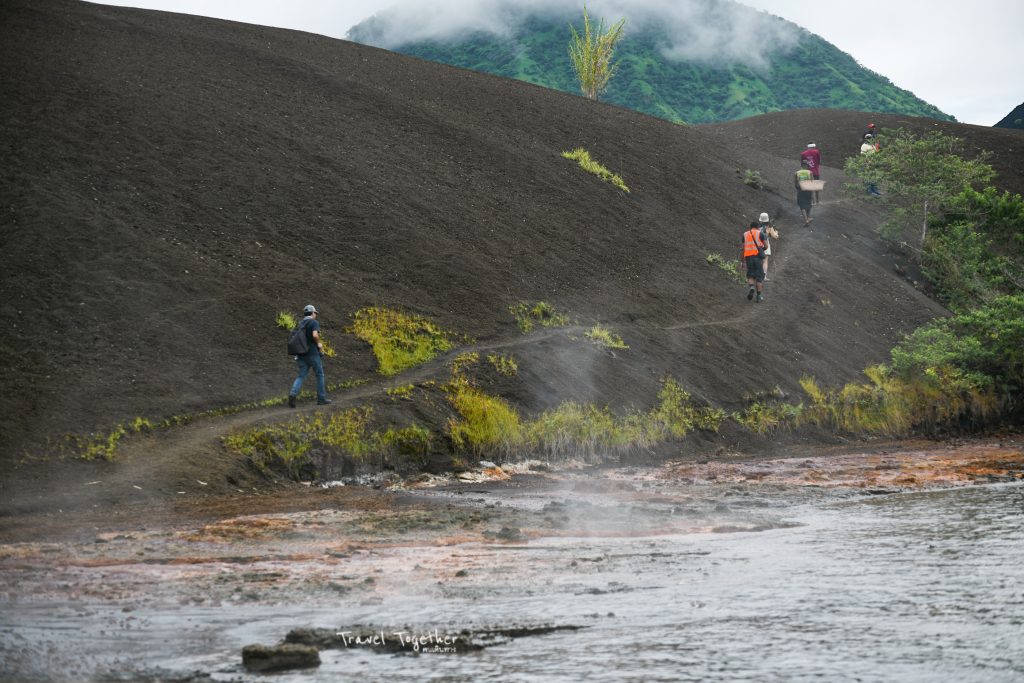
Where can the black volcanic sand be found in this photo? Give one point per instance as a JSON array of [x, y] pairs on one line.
[[170, 183]]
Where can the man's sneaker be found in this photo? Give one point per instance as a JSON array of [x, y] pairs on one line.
[[760, 297], [750, 294], [291, 401], [323, 402]]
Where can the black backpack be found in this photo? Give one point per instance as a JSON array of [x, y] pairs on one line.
[[298, 342]]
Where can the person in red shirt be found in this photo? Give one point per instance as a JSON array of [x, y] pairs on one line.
[[813, 158]]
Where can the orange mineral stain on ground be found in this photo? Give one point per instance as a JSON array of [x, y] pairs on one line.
[[911, 469], [240, 528]]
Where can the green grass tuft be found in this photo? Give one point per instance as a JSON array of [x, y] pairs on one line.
[[490, 426], [487, 424], [413, 441], [505, 365], [288, 443], [753, 179], [582, 157], [602, 336], [399, 340], [541, 313], [464, 361], [403, 392], [727, 266], [104, 446], [286, 321], [892, 405], [765, 417]]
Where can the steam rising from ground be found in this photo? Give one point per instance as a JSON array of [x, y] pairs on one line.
[[713, 31]]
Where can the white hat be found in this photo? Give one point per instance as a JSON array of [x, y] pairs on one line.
[[763, 218], [811, 146], [309, 309]]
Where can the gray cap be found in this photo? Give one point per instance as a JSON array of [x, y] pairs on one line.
[[310, 308]]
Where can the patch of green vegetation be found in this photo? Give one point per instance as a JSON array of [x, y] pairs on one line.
[[590, 54], [952, 373], [676, 415], [287, 445], [403, 392], [975, 252], [413, 441], [105, 444], [726, 266], [399, 340], [890, 405], [753, 179], [922, 177], [958, 371], [764, 417], [488, 425], [602, 336], [505, 365], [573, 429], [529, 315], [464, 361], [286, 321], [582, 157], [329, 351]]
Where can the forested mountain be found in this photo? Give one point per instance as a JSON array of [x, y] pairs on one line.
[[1015, 119], [719, 62]]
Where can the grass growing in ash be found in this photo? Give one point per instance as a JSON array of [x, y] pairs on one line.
[[529, 315], [602, 336], [399, 340], [505, 365], [582, 157], [403, 392], [286, 321], [287, 445], [753, 179], [726, 266], [104, 445], [489, 426]]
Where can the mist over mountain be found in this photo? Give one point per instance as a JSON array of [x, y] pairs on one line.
[[694, 61]]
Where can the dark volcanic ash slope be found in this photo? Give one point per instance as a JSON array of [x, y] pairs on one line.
[[837, 135], [171, 182]]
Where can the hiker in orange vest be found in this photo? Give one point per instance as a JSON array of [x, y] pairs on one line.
[[752, 256]]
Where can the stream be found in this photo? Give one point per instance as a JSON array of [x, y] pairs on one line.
[[746, 573]]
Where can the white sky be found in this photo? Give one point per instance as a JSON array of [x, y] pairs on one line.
[[966, 58]]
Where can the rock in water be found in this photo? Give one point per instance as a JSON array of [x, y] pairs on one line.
[[279, 657]]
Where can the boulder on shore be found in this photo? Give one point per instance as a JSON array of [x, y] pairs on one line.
[[279, 657]]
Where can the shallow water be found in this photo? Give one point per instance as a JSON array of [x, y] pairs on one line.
[[832, 585]]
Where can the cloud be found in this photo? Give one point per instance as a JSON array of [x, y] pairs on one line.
[[711, 31], [411, 21]]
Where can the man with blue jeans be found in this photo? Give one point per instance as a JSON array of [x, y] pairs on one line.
[[311, 360]]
